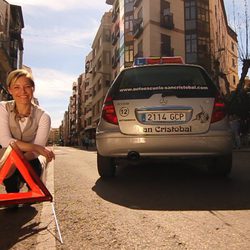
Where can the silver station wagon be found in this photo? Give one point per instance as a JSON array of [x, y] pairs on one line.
[[162, 108]]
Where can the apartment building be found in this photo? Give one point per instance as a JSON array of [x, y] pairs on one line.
[[97, 76], [65, 129], [159, 28], [11, 42], [197, 30], [224, 48]]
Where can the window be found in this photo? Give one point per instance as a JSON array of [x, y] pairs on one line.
[[191, 48], [107, 35], [165, 8], [232, 46], [233, 62], [99, 63], [99, 86], [166, 49], [190, 15], [234, 80], [107, 57], [129, 24], [140, 48], [129, 53]]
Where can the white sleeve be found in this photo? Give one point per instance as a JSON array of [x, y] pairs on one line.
[[5, 134], [43, 130]]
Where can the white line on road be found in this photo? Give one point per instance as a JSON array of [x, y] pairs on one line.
[[46, 239]]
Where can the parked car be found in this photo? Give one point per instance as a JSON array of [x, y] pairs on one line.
[[162, 108]]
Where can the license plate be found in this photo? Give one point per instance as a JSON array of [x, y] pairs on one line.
[[165, 117]]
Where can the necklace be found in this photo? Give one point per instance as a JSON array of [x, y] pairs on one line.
[[22, 117]]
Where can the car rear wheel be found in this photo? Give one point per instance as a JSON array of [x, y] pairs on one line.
[[221, 166], [106, 166]]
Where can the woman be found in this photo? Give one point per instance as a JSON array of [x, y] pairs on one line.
[[25, 123]]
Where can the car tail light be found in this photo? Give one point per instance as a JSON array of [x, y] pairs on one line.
[[219, 110], [108, 111]]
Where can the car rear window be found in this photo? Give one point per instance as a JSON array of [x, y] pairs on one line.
[[178, 80]]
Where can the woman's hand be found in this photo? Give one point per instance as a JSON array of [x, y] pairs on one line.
[[46, 152], [32, 149]]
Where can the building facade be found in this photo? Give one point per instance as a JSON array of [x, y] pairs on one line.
[[197, 30], [11, 42]]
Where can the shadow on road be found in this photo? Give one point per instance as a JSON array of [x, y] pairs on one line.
[[15, 226], [176, 187]]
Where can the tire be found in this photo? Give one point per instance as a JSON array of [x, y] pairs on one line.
[[106, 166], [221, 166]]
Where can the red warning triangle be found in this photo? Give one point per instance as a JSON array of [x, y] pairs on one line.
[[37, 193]]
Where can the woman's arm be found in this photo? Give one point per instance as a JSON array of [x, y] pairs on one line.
[[5, 135], [43, 130], [40, 140]]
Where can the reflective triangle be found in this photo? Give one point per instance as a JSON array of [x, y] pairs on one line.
[[37, 193]]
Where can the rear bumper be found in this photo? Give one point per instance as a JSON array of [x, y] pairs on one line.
[[118, 145]]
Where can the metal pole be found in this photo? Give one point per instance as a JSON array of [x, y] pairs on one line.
[[57, 225]]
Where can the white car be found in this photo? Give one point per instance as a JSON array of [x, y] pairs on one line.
[[161, 110]]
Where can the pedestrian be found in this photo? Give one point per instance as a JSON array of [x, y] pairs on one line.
[[244, 131], [235, 127], [86, 142], [26, 124]]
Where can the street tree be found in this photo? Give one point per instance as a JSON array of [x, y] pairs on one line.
[[239, 101]]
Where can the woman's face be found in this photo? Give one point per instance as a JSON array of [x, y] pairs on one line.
[[22, 90]]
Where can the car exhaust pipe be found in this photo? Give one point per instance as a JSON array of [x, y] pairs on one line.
[[133, 156]]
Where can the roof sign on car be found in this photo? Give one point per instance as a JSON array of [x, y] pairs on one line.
[[140, 61]]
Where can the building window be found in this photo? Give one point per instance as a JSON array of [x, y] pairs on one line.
[[166, 15], [232, 46], [129, 24], [93, 110], [190, 15], [129, 53], [165, 7], [234, 80], [107, 35], [107, 57], [99, 63], [99, 87], [233, 62], [191, 48], [166, 49], [140, 49]]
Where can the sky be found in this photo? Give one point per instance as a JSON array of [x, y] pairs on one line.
[[58, 35]]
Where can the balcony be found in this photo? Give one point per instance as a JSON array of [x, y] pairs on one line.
[[4, 55], [114, 62], [137, 27], [111, 2], [136, 3], [114, 16], [114, 38], [167, 21]]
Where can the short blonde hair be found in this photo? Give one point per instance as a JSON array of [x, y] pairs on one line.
[[15, 74]]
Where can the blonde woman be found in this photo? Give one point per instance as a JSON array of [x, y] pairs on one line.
[[25, 123]]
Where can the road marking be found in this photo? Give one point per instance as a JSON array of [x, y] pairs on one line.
[[46, 239]]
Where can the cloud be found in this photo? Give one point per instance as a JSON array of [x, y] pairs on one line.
[[53, 90], [60, 5], [65, 36], [52, 84]]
